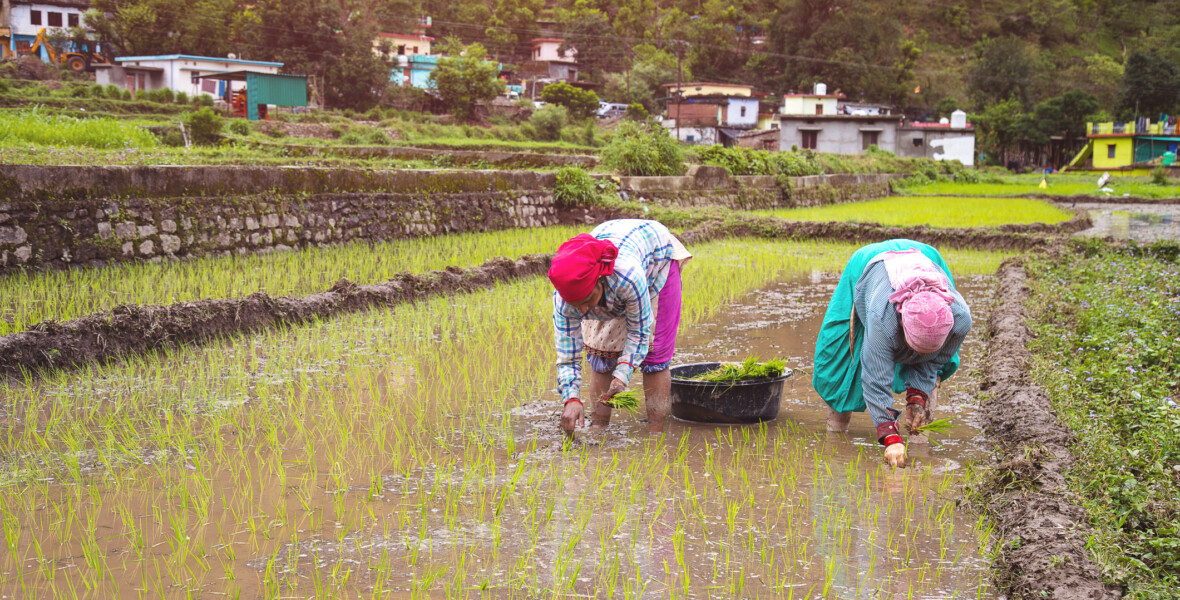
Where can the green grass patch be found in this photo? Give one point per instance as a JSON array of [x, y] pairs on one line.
[[933, 211], [35, 126], [1108, 354], [1068, 184]]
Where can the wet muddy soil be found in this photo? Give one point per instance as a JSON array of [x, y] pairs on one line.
[[1044, 533]]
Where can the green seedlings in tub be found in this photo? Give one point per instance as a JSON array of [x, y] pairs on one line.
[[747, 370]]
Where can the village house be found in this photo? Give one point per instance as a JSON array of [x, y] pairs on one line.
[[551, 63], [1132, 147], [177, 72], [710, 113], [825, 123], [21, 20]]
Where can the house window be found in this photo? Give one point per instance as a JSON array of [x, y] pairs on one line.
[[868, 138], [819, 109], [401, 50], [689, 138], [54, 19], [810, 139], [917, 142], [72, 19], [415, 49], [743, 111], [35, 17], [1110, 150]]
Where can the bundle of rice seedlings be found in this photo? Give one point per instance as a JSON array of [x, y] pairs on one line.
[[936, 426], [628, 400], [748, 369]]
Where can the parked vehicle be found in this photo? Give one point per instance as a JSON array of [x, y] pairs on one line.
[[84, 53], [608, 110]]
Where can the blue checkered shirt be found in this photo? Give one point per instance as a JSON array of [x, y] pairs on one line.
[[641, 270]]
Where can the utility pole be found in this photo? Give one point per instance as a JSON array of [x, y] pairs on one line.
[[679, 93]]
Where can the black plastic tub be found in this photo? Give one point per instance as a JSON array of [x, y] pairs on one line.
[[749, 401]]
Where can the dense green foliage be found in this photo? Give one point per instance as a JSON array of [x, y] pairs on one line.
[[36, 126], [747, 161], [204, 126], [1108, 355], [580, 103], [466, 77], [643, 149], [575, 187]]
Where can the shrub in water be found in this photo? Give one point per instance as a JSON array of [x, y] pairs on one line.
[[643, 149], [204, 126]]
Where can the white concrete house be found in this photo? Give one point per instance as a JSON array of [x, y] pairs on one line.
[[25, 19], [177, 72], [561, 65]]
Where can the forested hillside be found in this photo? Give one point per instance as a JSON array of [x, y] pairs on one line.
[[918, 54]]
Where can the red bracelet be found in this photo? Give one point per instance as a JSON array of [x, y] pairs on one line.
[[887, 431], [572, 400], [623, 362], [892, 439]]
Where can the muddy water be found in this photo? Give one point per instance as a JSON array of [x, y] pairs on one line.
[[346, 486], [852, 527], [1139, 222]]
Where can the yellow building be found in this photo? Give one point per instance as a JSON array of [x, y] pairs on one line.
[[701, 88], [1113, 152], [810, 104]]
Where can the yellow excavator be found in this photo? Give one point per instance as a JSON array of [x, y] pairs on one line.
[[84, 54]]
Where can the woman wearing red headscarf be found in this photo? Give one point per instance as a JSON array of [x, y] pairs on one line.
[[618, 296]]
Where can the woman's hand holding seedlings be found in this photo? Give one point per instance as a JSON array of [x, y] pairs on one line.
[[616, 387]]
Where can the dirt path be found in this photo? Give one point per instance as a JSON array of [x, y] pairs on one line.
[[1043, 530]]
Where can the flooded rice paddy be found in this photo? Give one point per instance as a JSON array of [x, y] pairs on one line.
[[1138, 222], [415, 453]]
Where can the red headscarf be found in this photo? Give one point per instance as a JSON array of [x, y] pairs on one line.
[[579, 263]]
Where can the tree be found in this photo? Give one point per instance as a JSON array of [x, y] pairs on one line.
[[650, 68], [1151, 85], [137, 27], [466, 77], [582, 104], [1002, 70], [1065, 115], [1000, 128], [321, 39], [591, 36]]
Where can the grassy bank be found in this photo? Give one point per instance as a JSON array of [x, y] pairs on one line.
[[1107, 353], [932, 211], [1067, 184]]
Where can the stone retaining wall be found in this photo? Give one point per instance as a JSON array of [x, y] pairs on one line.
[[77, 215], [712, 186], [62, 215]]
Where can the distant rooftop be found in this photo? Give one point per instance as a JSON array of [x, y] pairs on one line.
[[258, 63]]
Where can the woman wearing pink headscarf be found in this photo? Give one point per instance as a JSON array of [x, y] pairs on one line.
[[895, 324], [618, 297]]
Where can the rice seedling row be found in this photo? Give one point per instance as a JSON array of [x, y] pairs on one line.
[[415, 452], [933, 211], [30, 297]]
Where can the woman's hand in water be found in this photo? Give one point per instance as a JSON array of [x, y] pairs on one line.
[[895, 455]]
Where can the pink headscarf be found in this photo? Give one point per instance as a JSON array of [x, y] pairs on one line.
[[578, 265], [922, 299]]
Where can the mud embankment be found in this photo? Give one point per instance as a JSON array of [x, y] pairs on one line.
[[1007, 237], [1042, 529], [126, 331]]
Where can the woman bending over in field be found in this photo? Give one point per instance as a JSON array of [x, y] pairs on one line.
[[894, 324], [618, 296]]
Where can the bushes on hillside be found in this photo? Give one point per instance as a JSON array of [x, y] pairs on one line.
[[581, 104], [575, 187], [748, 161], [643, 149], [545, 124], [204, 126]]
